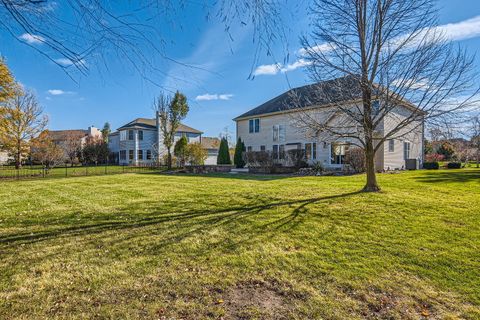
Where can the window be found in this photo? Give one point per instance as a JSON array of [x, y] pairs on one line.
[[311, 151], [262, 148], [123, 154], [130, 134], [391, 145], [257, 125], [249, 149], [130, 154], [406, 150], [123, 135], [308, 151], [149, 154], [375, 107], [275, 151], [140, 154], [254, 125], [140, 135], [338, 153], [275, 132], [281, 151]]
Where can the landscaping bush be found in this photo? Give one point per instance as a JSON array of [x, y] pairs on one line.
[[432, 165], [296, 158], [238, 157], [261, 159], [434, 157], [355, 158], [454, 165], [223, 153]]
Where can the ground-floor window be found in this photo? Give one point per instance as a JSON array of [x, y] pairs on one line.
[[130, 154], [281, 151], [140, 154], [338, 153], [275, 151], [311, 151], [249, 148], [262, 148], [123, 154], [149, 154], [406, 150]]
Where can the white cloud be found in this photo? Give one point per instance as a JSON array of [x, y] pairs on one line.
[[324, 47], [31, 38], [58, 92], [462, 30], [209, 97], [267, 69], [273, 69], [67, 62]]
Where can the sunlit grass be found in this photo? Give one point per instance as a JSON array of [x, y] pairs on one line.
[[152, 246]]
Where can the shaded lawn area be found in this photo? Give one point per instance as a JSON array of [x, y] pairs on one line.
[[140, 246]]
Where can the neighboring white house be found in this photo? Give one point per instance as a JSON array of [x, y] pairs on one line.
[[140, 142], [272, 127], [4, 158]]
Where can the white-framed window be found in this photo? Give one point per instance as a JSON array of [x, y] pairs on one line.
[[140, 154], [311, 151], [140, 135], [249, 149], [123, 154], [406, 150], [131, 134], [262, 148], [279, 133], [391, 145], [149, 154], [275, 151], [123, 135], [337, 153], [130, 154], [276, 130], [254, 125], [281, 151]]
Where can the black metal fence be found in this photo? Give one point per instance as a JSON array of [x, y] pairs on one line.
[[40, 172]]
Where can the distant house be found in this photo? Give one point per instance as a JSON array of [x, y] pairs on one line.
[[60, 137], [271, 127], [4, 158], [140, 142], [211, 145]]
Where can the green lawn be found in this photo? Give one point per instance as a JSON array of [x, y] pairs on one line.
[[152, 246]]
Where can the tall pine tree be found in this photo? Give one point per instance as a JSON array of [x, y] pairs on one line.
[[238, 157], [223, 154]]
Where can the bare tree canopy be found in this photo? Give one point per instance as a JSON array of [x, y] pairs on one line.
[[384, 54], [78, 34]]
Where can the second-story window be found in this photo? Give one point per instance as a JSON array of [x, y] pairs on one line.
[[123, 135], [391, 145], [130, 134], [140, 135], [254, 125]]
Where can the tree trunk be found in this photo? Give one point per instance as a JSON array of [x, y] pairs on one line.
[[169, 159], [371, 185]]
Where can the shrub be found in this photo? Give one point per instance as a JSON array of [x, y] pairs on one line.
[[196, 154], [180, 150], [454, 165], [434, 157], [296, 158], [238, 157], [261, 159], [355, 158], [446, 149], [431, 165], [223, 153]]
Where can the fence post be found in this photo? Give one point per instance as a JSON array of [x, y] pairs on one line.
[[66, 172], [18, 174], [123, 168], [86, 170], [43, 171]]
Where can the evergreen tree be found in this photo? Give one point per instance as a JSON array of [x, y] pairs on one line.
[[223, 153], [180, 150], [238, 157]]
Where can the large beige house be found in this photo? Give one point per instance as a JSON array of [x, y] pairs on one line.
[[274, 126]]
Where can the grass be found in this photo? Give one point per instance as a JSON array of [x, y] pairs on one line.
[[152, 246]]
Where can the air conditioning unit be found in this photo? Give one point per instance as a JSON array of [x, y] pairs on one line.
[[412, 164]]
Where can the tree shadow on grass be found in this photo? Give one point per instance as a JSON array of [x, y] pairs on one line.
[[239, 176], [196, 221], [459, 175]]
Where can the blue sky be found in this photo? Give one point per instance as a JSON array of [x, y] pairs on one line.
[[218, 90]]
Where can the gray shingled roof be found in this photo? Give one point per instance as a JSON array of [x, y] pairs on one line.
[[331, 91], [152, 124]]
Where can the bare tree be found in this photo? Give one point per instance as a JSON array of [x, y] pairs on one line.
[[169, 112], [393, 67], [21, 120], [72, 146], [78, 34]]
